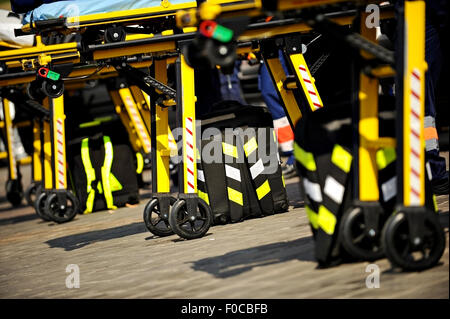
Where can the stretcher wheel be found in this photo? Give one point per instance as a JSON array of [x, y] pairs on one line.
[[359, 241], [61, 212], [413, 256], [14, 192], [39, 206], [156, 224], [34, 91], [190, 226], [52, 89], [31, 193]]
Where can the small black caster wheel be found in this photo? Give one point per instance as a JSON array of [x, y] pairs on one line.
[[156, 223], [14, 192], [417, 254], [31, 193], [115, 34], [39, 206], [187, 226], [61, 211], [34, 91], [53, 89], [359, 241]]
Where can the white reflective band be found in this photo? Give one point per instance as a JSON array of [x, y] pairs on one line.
[[333, 189], [200, 175], [281, 122], [430, 174], [257, 168], [389, 189], [312, 190], [232, 172]]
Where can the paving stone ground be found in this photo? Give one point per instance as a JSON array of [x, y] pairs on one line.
[[270, 257]]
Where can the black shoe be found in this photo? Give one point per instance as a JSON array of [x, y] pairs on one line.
[[440, 186]]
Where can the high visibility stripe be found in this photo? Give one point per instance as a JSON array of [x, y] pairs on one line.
[[140, 127], [384, 157], [232, 172], [431, 133], [60, 156], [305, 158], [435, 204], [334, 189], [312, 190], [310, 88], [235, 196], [282, 179], [200, 175], [203, 196], [263, 190], [414, 137], [90, 175], [389, 189], [312, 216], [229, 150], [326, 220], [140, 163], [106, 171], [341, 158], [284, 134], [257, 168], [190, 154], [250, 146]]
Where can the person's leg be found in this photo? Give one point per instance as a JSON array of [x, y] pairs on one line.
[[283, 130], [435, 162]]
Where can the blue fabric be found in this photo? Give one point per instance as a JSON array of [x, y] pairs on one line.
[[233, 93], [268, 91], [85, 7]]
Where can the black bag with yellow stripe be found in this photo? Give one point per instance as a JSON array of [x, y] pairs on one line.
[[103, 173], [239, 174], [323, 150]]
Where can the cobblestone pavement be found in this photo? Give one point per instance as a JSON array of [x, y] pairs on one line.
[[270, 257]]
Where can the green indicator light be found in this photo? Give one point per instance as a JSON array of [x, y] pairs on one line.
[[53, 75], [222, 34]]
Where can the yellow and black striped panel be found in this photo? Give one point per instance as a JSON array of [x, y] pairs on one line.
[[233, 177], [257, 171]]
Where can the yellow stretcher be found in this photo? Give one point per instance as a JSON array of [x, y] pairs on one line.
[[412, 218], [107, 39]]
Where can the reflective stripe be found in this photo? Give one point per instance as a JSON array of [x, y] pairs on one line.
[[263, 190], [229, 150], [312, 216], [333, 189], [90, 175], [435, 204], [235, 196], [389, 189], [140, 163], [312, 190], [385, 156], [430, 133], [341, 158], [203, 196], [326, 220], [232, 172], [250, 146], [106, 170], [200, 175], [284, 183], [428, 169], [305, 158], [257, 168]]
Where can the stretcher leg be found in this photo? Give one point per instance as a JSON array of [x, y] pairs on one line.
[[36, 168], [190, 216], [157, 210], [413, 238]]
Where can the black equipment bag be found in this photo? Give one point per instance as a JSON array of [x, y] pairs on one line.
[[324, 148], [240, 175], [124, 183]]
